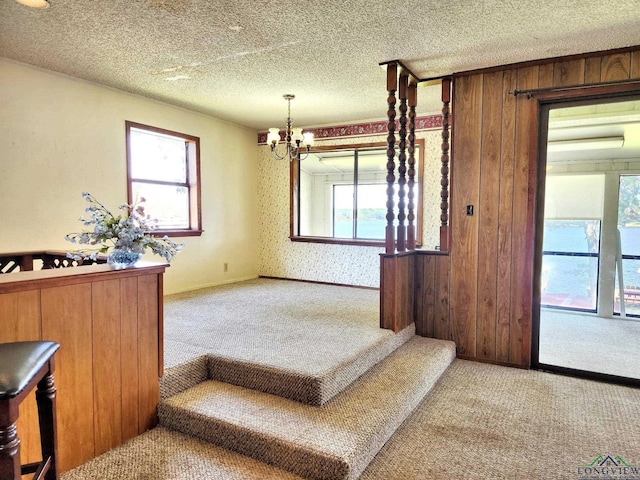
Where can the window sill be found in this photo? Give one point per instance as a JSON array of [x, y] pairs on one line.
[[176, 233], [361, 242], [339, 241]]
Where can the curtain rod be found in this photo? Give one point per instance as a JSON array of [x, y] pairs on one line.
[[531, 92]]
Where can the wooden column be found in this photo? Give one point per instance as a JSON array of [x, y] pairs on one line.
[[392, 85], [413, 100], [402, 163], [444, 181]]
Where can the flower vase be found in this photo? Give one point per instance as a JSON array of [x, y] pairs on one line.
[[122, 258]]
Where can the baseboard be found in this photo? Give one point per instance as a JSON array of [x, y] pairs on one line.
[[214, 284], [492, 362], [320, 283]]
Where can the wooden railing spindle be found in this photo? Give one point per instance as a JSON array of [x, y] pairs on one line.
[[401, 245], [392, 85], [411, 229], [444, 181]]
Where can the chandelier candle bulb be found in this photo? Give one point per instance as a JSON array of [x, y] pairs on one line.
[[307, 139], [273, 136]]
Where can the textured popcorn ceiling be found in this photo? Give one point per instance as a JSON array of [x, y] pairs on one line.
[[234, 59]]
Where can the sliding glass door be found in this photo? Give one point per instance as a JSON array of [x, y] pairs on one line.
[[588, 262], [627, 282]]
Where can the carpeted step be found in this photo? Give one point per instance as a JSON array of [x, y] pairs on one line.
[[309, 383], [334, 441], [162, 454]]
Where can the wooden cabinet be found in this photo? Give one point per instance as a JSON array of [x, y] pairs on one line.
[[109, 326]]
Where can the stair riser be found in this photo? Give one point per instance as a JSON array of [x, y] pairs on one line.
[[304, 389], [312, 390], [182, 377]]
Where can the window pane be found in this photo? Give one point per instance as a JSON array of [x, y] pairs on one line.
[[343, 211], [320, 174], [157, 157], [372, 211], [168, 203], [573, 236], [631, 279], [569, 282], [326, 184], [629, 214]]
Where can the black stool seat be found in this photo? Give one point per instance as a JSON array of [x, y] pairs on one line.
[[23, 366], [19, 364]]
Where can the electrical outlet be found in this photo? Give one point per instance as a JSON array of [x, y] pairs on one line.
[[226, 267]]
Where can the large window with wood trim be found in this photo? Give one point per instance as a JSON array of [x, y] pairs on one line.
[[163, 167], [339, 194]]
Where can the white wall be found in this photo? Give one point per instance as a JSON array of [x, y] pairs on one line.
[[60, 136], [344, 264]]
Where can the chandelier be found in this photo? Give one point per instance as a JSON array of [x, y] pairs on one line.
[[293, 138]]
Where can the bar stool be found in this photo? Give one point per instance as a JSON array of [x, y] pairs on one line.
[[23, 365]]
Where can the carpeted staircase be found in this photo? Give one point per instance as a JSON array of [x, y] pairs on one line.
[[334, 441]]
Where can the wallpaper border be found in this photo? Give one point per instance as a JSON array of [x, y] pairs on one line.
[[428, 122]]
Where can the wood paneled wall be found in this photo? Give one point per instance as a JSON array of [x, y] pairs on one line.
[[432, 295], [397, 290], [494, 168], [108, 324]]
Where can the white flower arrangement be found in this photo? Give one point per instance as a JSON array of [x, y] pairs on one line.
[[129, 231]]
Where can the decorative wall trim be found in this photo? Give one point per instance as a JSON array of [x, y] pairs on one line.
[[428, 122]]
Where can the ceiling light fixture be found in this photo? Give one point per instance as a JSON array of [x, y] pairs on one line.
[[34, 3], [581, 144], [293, 137]]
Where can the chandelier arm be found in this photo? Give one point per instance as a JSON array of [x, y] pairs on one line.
[[274, 152]]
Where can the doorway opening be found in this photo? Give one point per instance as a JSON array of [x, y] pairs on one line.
[[589, 247]]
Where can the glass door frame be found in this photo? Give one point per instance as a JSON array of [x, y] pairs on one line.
[[547, 101]]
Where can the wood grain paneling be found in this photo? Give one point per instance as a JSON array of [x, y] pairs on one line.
[[520, 313], [20, 321], [432, 295], [505, 217], [565, 74], [148, 352], [635, 64], [545, 75], [488, 210], [387, 292], [592, 70], [107, 392], [442, 322], [65, 311], [129, 357], [616, 67], [397, 290], [98, 317], [465, 192], [425, 295]]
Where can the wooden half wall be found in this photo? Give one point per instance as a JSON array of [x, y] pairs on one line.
[[109, 326], [494, 170]]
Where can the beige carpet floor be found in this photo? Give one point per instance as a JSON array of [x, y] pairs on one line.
[[479, 422], [587, 342], [299, 340], [283, 324]]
